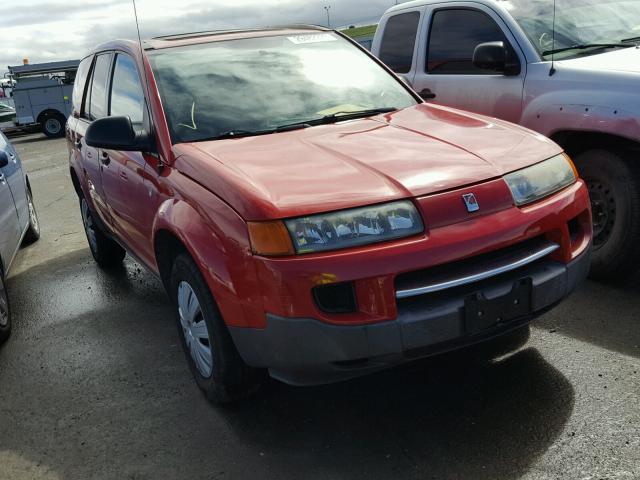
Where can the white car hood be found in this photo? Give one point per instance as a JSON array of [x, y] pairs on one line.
[[623, 60]]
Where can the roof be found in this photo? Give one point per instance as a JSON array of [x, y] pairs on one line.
[[42, 68], [222, 35]]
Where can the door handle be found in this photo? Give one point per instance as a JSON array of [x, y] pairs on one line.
[[104, 158], [123, 176], [427, 94], [2, 178], [78, 144]]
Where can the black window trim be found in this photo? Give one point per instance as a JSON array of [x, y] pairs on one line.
[[80, 112], [432, 15], [88, 115]]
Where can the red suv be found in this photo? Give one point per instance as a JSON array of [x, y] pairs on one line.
[[307, 213]]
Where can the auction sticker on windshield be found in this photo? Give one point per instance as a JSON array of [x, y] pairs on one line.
[[315, 38]]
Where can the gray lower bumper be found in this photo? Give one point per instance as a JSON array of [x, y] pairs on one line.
[[303, 351]]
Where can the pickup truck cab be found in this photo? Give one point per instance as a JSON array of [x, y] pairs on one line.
[[577, 84], [307, 213]]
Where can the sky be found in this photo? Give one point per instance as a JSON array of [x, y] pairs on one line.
[[51, 30]]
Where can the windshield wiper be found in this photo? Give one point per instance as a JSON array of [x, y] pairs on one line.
[[254, 133], [344, 115], [632, 39], [585, 46]]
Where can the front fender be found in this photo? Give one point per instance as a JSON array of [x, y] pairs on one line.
[[216, 238]]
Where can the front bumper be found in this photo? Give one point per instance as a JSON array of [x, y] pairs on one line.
[[304, 351]]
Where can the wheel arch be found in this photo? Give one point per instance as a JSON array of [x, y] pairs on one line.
[[180, 228], [47, 112], [75, 181], [576, 142]]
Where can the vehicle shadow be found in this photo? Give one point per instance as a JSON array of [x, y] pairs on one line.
[[601, 314], [439, 418], [94, 372]]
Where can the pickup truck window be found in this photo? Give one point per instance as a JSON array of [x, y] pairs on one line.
[[455, 33], [239, 87], [127, 98], [399, 41], [578, 22], [98, 102]]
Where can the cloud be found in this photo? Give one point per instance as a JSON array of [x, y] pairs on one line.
[[49, 30]]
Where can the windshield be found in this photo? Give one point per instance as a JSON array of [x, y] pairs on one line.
[[255, 84], [578, 22]]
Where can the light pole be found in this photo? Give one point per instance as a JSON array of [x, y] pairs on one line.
[[327, 8]]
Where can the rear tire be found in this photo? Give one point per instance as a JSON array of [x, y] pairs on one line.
[[106, 252], [211, 354], [5, 311], [33, 232], [614, 188], [53, 125]]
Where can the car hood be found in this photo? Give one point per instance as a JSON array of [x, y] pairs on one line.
[[624, 60], [410, 153]]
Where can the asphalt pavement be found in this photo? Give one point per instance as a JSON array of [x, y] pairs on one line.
[[94, 385]]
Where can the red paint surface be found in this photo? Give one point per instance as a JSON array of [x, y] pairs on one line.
[[207, 191]]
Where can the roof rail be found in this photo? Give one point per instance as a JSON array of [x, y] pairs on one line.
[[206, 33]]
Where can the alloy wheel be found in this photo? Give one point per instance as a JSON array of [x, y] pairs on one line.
[[194, 329], [53, 126], [33, 216]]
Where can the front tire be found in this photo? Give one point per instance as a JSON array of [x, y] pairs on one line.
[[5, 311], [614, 189], [106, 252], [213, 358]]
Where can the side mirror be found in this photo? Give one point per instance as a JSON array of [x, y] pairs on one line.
[[117, 133], [491, 56], [4, 159]]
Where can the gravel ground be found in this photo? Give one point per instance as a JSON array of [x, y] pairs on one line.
[[93, 385]]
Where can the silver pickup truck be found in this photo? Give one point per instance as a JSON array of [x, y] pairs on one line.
[[570, 71]]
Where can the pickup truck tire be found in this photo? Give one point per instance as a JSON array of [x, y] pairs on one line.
[[53, 125], [222, 376], [5, 311], [614, 188], [106, 252], [33, 232]]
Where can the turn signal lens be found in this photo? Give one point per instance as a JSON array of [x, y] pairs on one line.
[[573, 165], [270, 239]]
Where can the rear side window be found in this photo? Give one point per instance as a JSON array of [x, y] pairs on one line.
[[399, 41], [80, 82], [454, 36], [98, 102], [127, 98]]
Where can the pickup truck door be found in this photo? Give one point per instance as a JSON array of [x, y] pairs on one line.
[[445, 71], [9, 227]]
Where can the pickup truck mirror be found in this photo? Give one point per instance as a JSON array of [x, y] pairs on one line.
[[4, 159], [491, 56], [117, 133]]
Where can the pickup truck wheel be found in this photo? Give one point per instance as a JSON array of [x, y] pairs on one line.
[[614, 188], [106, 252], [213, 359], [33, 232], [53, 125], [5, 311]]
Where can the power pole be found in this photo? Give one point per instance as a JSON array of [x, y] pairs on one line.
[[327, 8]]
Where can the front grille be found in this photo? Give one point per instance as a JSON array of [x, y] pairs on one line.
[[474, 269]]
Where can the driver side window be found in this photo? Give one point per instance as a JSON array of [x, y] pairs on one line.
[[127, 97], [455, 33]]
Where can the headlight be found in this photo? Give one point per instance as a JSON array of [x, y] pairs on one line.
[[541, 180], [351, 228]]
